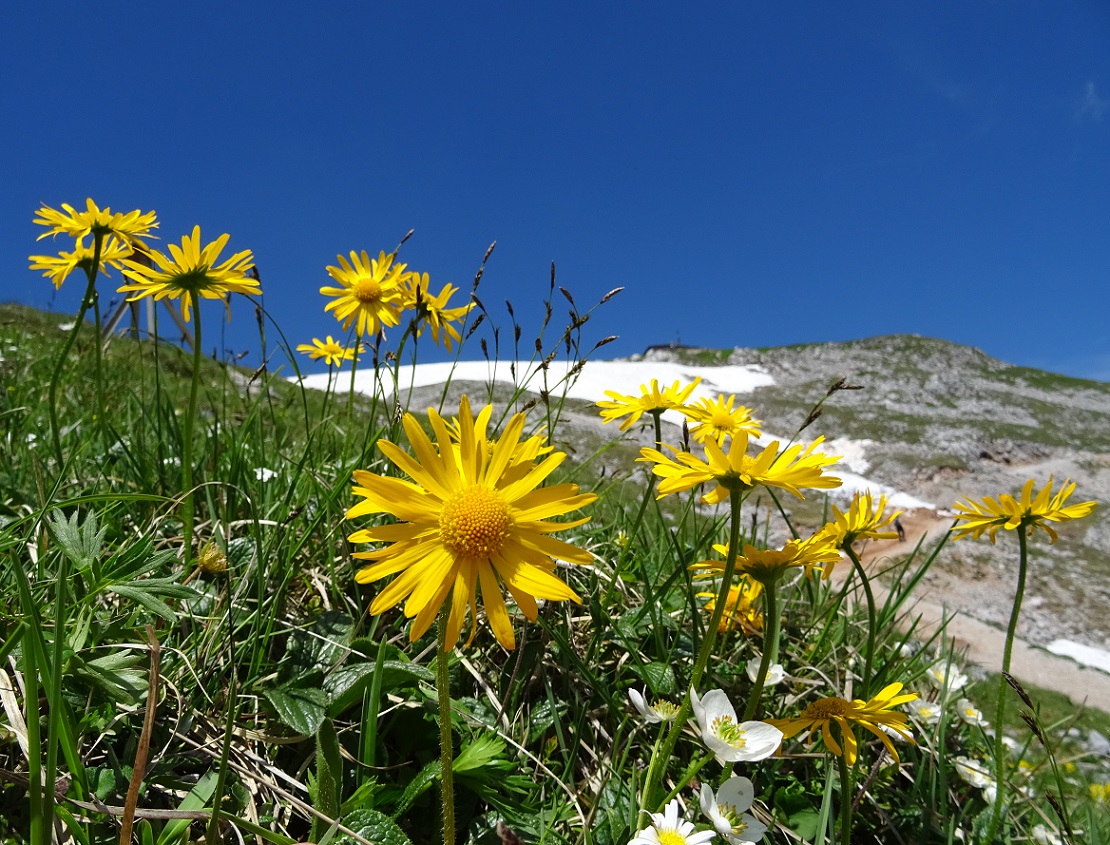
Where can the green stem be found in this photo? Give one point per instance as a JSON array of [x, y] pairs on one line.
[[657, 766], [40, 829], [86, 300], [446, 751], [1000, 712], [187, 445], [770, 644], [872, 623], [230, 715], [845, 799]]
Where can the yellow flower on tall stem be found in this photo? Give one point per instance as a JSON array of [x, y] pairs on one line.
[[432, 311], [370, 295], [653, 399], [190, 272], [863, 521], [1030, 512], [797, 467], [472, 520], [870, 715], [767, 565], [1024, 515], [58, 267], [330, 350], [130, 229], [718, 419]]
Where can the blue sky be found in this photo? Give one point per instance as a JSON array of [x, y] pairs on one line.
[[752, 174]]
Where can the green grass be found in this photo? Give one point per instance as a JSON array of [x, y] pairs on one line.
[[283, 696]]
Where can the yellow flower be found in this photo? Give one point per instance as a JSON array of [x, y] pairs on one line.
[[863, 521], [1030, 512], [212, 559], [189, 272], [432, 311], [717, 419], [129, 229], [652, 400], [795, 468], [741, 607], [871, 715], [470, 520], [329, 350], [58, 267], [766, 565], [371, 292]]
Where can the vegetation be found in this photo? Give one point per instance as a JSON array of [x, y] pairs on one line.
[[238, 686]]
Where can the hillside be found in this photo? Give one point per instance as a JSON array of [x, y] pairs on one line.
[[942, 421]]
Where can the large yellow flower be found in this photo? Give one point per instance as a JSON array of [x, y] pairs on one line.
[[330, 350], [129, 229], [871, 715], [190, 272], [794, 469], [58, 267], [432, 311], [371, 292], [471, 520], [765, 565], [718, 419], [1030, 512], [652, 400]]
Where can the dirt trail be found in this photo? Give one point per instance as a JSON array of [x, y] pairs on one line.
[[984, 643]]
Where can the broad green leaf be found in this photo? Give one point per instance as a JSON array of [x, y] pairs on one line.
[[370, 824], [300, 709]]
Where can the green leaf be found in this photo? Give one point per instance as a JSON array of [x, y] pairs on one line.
[[417, 787], [659, 677], [303, 710], [329, 778], [346, 684], [481, 751], [370, 824], [197, 799], [148, 591], [318, 645]]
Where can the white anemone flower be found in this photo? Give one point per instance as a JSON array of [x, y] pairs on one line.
[[970, 713], [726, 811], [775, 672], [730, 741], [973, 772], [660, 711], [1043, 836], [667, 828], [945, 676], [926, 712]]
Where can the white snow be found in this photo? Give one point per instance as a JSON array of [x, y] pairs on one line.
[[626, 377], [1096, 658], [596, 377]]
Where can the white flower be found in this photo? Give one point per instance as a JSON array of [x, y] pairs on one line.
[[729, 741], [924, 711], [946, 676], [973, 772], [264, 474], [775, 672], [1043, 836], [726, 811], [970, 713], [660, 711], [667, 829]]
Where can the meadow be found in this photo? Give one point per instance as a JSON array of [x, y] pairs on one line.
[[237, 609]]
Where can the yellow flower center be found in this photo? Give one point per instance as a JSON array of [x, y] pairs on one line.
[[827, 708], [726, 729], [367, 290], [721, 420], [474, 523], [671, 837]]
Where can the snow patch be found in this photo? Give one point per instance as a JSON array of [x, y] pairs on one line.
[[1085, 655]]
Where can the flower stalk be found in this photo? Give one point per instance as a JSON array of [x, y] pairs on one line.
[[446, 749]]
